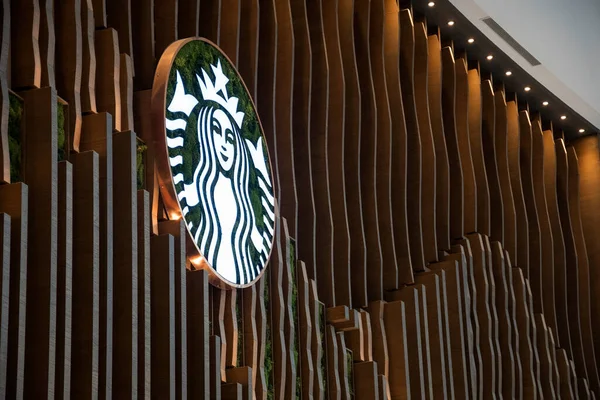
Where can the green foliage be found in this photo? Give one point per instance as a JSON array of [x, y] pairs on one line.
[[15, 115], [292, 260], [349, 366], [268, 366], [322, 359], [140, 161], [61, 133]]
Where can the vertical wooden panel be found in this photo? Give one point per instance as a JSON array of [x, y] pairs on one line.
[[143, 294], [165, 22], [572, 275], [119, 18], [352, 140], [125, 304], [335, 154], [108, 91], [289, 326], [40, 173], [344, 367], [26, 69], [5, 286], [215, 367], [562, 336], [523, 324], [197, 331], [464, 144], [97, 136], [301, 144], [100, 19], [86, 265], [142, 37], [475, 138], [391, 42], [443, 59], [383, 150], [428, 160], [583, 268], [413, 171], [368, 136], [209, 20], [88, 71], [442, 160], [229, 22], [47, 41], [162, 281], [366, 380], [126, 91], [395, 320], [514, 328], [249, 332], [4, 102], [534, 340], [548, 390], [64, 281], [317, 345], [380, 350], [305, 327], [248, 40], [333, 378], [69, 62], [318, 137]]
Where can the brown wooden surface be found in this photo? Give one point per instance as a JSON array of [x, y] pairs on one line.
[[395, 320], [165, 23], [4, 101], [88, 71], [5, 286], [143, 295], [26, 69], [119, 17]]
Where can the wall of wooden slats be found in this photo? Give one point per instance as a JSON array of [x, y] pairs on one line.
[[434, 239]]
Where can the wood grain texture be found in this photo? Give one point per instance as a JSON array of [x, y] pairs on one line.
[[125, 318], [40, 173], [318, 138], [413, 169], [444, 199], [428, 156], [335, 155], [69, 61], [86, 274], [97, 136], [64, 280], [352, 140], [26, 68], [391, 42], [368, 150], [383, 150]]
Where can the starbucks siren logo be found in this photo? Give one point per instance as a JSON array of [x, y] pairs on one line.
[[219, 163]]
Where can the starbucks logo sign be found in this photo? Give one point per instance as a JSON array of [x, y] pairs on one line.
[[212, 161]]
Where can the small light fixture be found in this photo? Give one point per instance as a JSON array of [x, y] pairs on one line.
[[563, 117], [490, 57], [527, 88], [508, 73], [471, 40], [450, 23], [545, 103], [431, 4], [581, 130]]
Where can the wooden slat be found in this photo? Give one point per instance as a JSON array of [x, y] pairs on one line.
[[534, 340], [64, 281], [215, 367], [165, 20], [209, 19], [242, 376], [88, 71], [126, 91], [142, 37], [40, 171], [395, 320], [143, 295], [523, 325], [69, 62], [428, 157], [301, 146], [548, 389], [572, 273], [5, 296], [566, 390], [456, 201], [391, 42], [261, 330], [97, 136], [493, 312], [100, 19], [198, 334], [229, 22], [289, 326], [380, 349], [248, 330], [514, 329], [108, 90], [318, 137], [47, 42], [344, 367], [368, 149], [475, 138], [335, 157], [352, 140], [125, 265], [306, 367], [249, 40], [317, 344], [86, 274], [120, 18], [4, 100], [366, 380], [188, 12], [334, 390], [413, 148], [583, 269], [383, 153], [162, 309], [26, 68], [447, 159]]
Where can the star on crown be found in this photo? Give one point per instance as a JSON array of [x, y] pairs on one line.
[[217, 91]]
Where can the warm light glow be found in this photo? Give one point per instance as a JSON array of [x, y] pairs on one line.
[[450, 23], [508, 73], [490, 57], [563, 117], [581, 130], [431, 4], [174, 216], [545, 103], [471, 40], [527, 88]]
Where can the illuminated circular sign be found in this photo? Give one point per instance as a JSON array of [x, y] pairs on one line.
[[212, 162]]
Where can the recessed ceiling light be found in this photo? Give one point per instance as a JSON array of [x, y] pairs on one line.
[[508, 73], [545, 103], [450, 23], [581, 130], [471, 40], [490, 57], [563, 117], [431, 4], [527, 88]]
